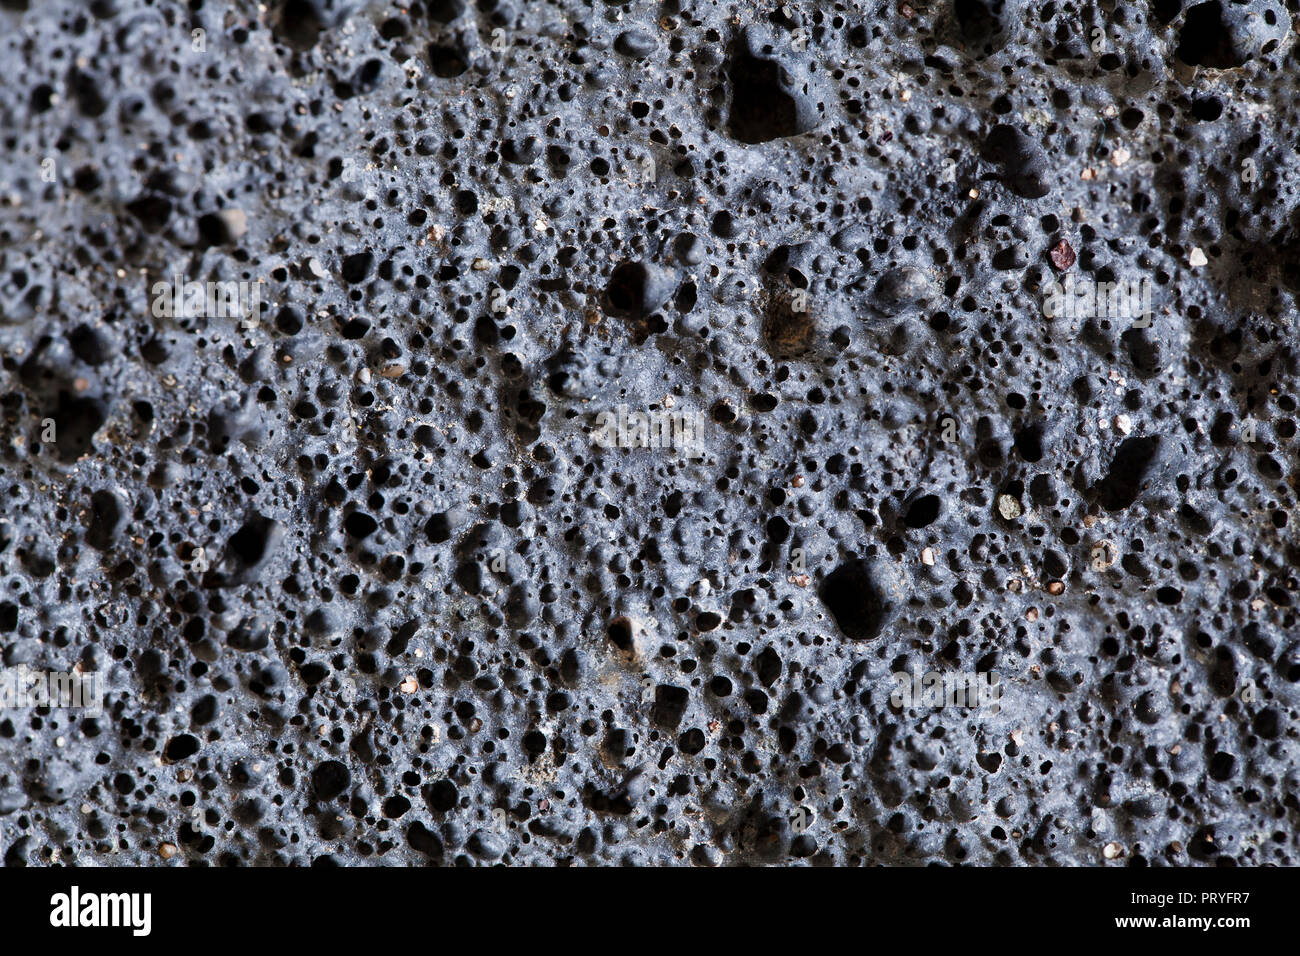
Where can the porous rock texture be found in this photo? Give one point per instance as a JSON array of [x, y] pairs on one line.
[[363, 590]]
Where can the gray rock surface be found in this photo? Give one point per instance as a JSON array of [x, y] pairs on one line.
[[360, 582]]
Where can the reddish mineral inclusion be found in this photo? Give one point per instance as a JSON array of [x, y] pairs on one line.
[[1062, 256]]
